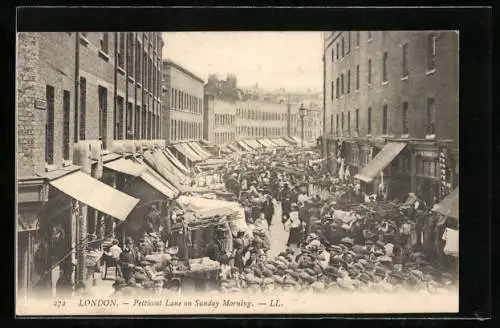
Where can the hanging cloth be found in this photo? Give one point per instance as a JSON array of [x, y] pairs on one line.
[[451, 238]]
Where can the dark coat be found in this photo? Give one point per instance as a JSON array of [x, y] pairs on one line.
[[268, 208]]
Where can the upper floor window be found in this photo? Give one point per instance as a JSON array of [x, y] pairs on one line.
[[404, 56], [384, 67], [369, 71], [343, 48], [349, 42], [357, 77], [105, 42], [121, 49], [333, 55], [431, 52], [357, 120], [431, 123], [369, 117], [342, 83], [357, 38], [337, 45], [332, 90], [338, 88], [348, 121], [405, 117], [369, 35], [349, 81], [384, 120]]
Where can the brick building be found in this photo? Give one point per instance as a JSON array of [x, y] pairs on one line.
[[385, 88], [183, 104], [79, 97]]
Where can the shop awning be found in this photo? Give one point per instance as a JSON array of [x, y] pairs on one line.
[[190, 155], [380, 162], [96, 194], [125, 166], [449, 205], [168, 154], [226, 150], [196, 146], [204, 208], [244, 146], [266, 143], [141, 170], [298, 140], [253, 143]]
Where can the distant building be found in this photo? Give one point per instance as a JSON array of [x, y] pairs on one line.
[[260, 119], [183, 104]]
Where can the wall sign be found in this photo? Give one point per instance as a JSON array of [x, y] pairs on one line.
[[40, 104]]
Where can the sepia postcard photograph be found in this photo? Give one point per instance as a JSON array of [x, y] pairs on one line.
[[225, 172]]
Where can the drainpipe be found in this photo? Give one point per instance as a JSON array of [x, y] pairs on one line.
[[324, 107], [76, 133], [115, 94]]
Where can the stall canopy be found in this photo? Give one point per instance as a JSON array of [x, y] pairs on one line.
[[380, 162], [154, 161], [244, 146], [289, 141], [274, 142], [164, 160], [190, 155], [280, 142], [226, 150], [233, 148], [449, 205], [96, 194], [204, 208], [196, 146], [266, 143], [192, 149], [168, 154], [297, 140], [144, 172], [253, 143]]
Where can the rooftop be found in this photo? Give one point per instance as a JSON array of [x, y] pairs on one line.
[[169, 62]]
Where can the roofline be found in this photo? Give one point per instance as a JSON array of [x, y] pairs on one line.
[[184, 70]]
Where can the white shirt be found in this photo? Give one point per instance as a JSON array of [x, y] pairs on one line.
[[115, 251]]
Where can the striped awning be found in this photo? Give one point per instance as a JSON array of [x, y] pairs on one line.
[[168, 154], [188, 153], [253, 143], [199, 149], [233, 148], [244, 146]]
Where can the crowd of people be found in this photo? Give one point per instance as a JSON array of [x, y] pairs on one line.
[[339, 238]]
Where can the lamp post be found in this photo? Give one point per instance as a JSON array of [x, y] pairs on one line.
[[302, 113]]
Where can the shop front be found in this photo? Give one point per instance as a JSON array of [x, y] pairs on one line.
[[375, 175]]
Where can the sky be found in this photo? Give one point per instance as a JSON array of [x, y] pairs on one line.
[[290, 60]]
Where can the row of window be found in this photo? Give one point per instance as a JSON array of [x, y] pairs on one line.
[[183, 101], [222, 138], [181, 130], [224, 119], [342, 88], [339, 126], [252, 131], [145, 125], [144, 68], [257, 115]]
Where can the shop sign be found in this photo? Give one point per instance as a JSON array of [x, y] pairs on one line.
[[40, 104], [445, 174], [429, 154]]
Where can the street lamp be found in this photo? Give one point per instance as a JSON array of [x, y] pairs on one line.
[[302, 113]]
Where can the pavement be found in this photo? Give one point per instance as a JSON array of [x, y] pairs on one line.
[[277, 234]]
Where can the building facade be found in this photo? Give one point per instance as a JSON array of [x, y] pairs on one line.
[[260, 119], [224, 131], [77, 94], [394, 86], [183, 104]]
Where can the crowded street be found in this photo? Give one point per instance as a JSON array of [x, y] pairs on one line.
[[154, 180]]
